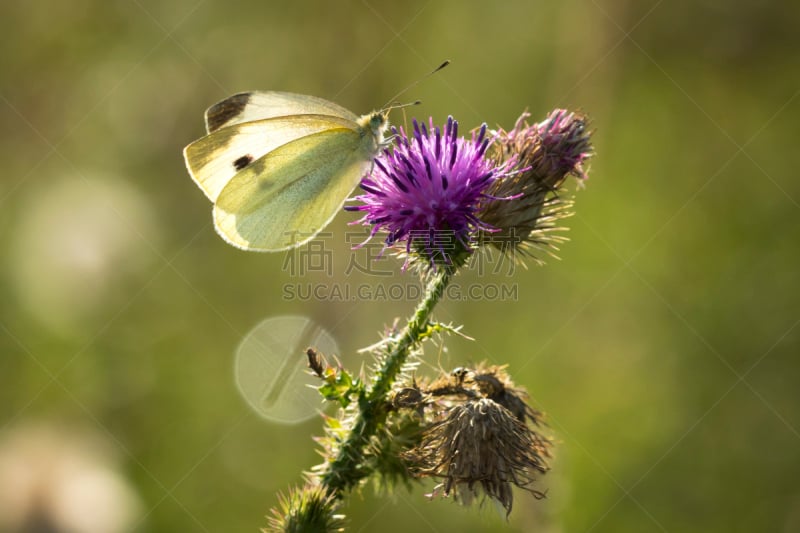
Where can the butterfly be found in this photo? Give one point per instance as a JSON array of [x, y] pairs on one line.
[[279, 166]]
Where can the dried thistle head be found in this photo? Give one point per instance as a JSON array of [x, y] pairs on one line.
[[476, 438], [480, 448]]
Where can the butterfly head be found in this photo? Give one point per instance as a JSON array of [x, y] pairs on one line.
[[378, 122], [375, 123]]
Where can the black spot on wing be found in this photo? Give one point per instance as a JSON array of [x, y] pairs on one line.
[[222, 112], [242, 162]]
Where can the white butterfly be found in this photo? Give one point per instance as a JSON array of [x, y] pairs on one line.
[[279, 166]]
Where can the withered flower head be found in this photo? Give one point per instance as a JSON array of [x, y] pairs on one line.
[[525, 207], [481, 447]]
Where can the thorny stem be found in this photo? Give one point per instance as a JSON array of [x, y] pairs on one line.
[[345, 471]]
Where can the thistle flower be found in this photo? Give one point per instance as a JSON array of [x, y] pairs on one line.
[[425, 193], [481, 445], [545, 155]]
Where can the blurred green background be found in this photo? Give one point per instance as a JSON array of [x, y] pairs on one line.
[[663, 346]]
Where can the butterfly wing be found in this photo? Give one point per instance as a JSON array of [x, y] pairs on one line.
[[285, 198], [216, 158], [258, 105]]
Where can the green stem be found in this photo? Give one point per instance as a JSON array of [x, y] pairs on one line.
[[345, 471]]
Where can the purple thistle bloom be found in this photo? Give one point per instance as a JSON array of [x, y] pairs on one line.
[[427, 190]]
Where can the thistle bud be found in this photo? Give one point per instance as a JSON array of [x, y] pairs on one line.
[[306, 509]]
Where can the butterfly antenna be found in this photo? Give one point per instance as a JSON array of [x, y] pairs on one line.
[[398, 105], [386, 106]]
